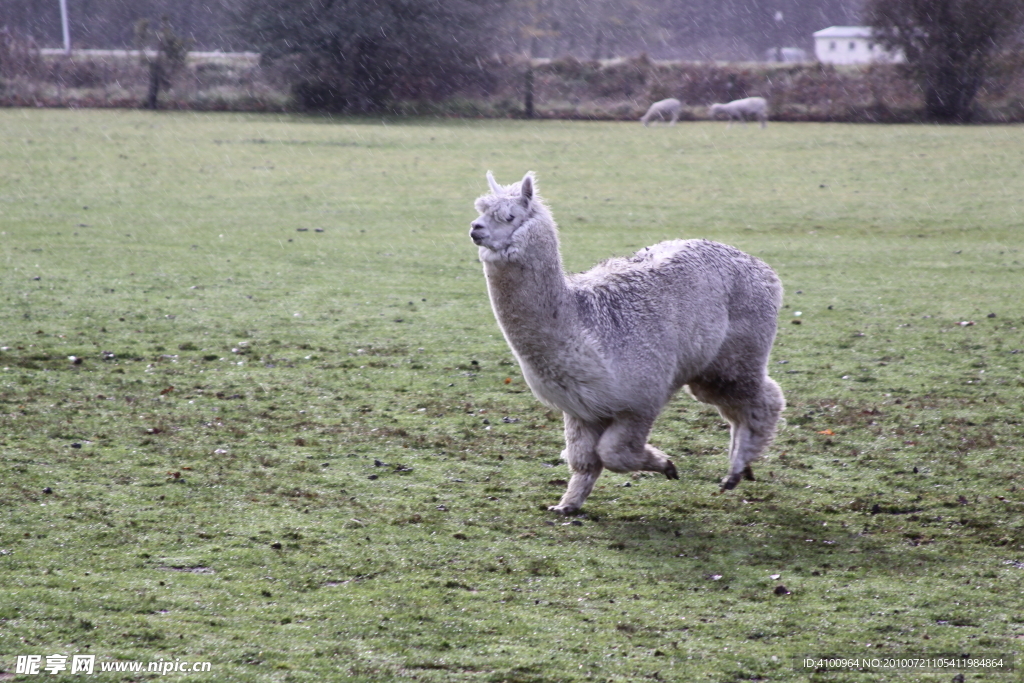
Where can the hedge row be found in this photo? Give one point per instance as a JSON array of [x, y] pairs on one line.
[[565, 88]]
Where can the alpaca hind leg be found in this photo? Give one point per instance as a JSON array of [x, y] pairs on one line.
[[623, 447], [660, 461], [753, 428], [742, 442], [752, 410], [581, 455]]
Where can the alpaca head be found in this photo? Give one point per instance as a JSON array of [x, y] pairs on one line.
[[499, 227]]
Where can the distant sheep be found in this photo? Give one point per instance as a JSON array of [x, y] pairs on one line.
[[661, 108], [741, 109], [610, 347]]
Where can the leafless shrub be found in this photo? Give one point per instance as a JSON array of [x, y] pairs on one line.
[[19, 55]]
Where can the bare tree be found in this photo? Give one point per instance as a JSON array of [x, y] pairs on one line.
[[165, 59], [363, 55], [948, 44]]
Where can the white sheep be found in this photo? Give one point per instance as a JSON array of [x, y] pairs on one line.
[[661, 108], [609, 347], [741, 109]]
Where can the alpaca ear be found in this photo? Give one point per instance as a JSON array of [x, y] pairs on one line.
[[526, 189], [495, 187]]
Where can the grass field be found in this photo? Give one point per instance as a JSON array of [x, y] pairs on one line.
[[292, 442]]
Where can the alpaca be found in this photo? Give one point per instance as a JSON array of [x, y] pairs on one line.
[[661, 108], [610, 347], [756, 107]]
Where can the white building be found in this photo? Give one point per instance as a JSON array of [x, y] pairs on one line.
[[850, 45]]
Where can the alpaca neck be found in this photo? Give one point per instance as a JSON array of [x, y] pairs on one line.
[[531, 301]]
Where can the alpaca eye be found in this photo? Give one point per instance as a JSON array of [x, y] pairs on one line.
[[510, 218]]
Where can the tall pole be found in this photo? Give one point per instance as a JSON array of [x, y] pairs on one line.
[[64, 23], [778, 36]]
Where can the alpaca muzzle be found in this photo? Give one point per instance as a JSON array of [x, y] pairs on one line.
[[477, 234]]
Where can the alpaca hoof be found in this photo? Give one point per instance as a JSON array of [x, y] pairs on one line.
[[748, 474], [729, 483], [670, 471], [564, 509]]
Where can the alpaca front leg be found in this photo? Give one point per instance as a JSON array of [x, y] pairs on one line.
[[623, 447], [581, 455], [580, 486]]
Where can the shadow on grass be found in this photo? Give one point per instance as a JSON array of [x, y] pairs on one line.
[[777, 537]]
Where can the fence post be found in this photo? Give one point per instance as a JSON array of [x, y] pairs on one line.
[[528, 104]]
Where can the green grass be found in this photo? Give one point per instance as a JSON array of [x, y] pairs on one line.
[[209, 491]]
